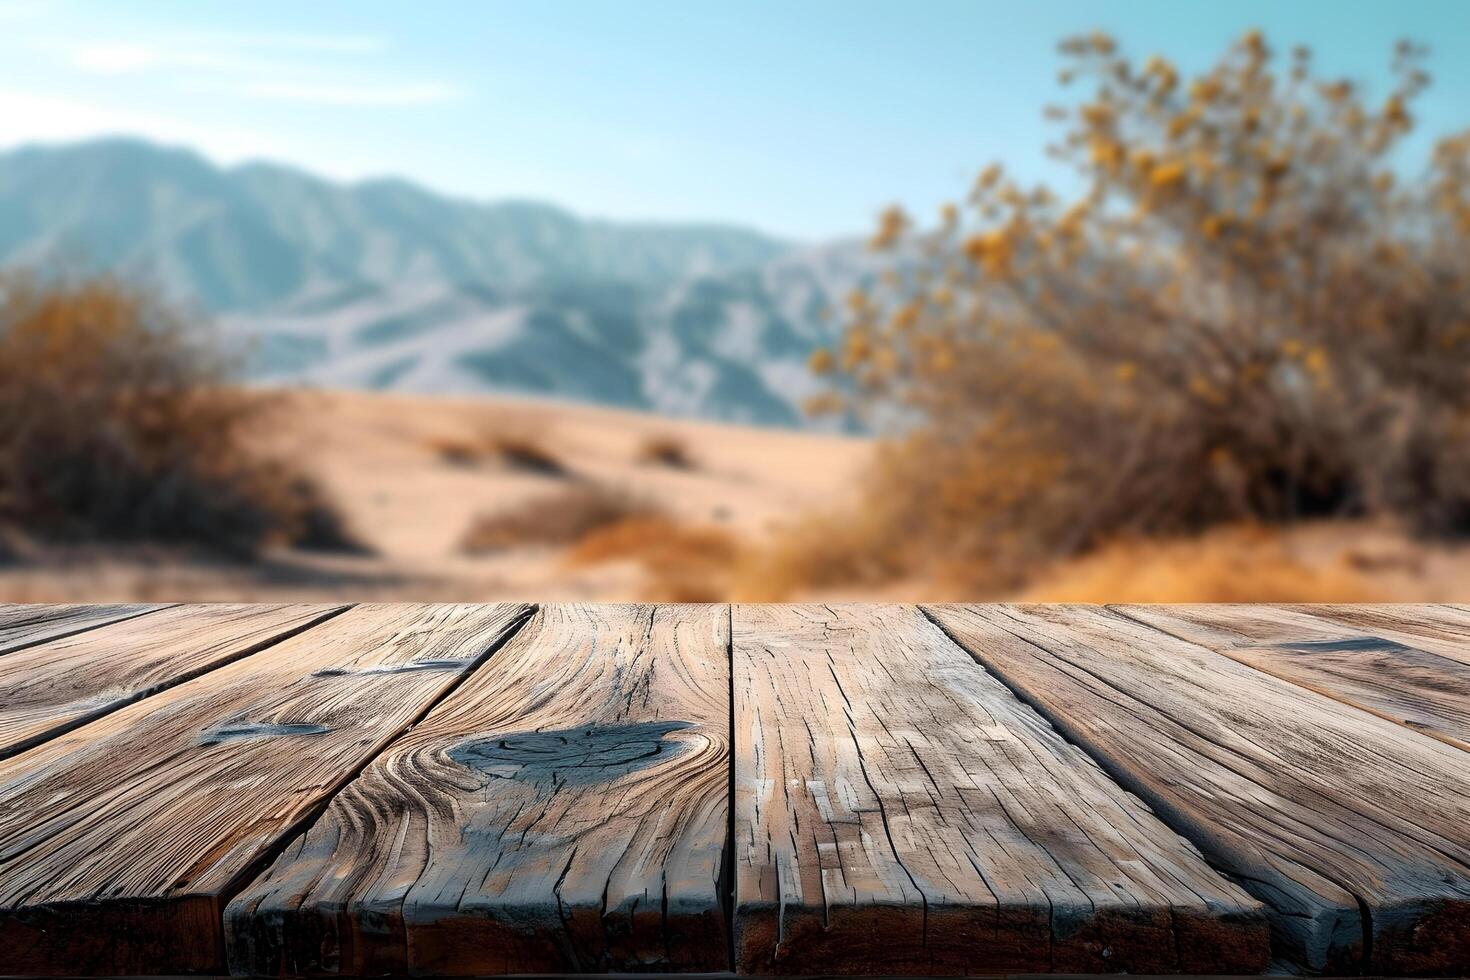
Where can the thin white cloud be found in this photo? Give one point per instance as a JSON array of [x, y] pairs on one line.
[[21, 9], [264, 66], [336, 43], [113, 57], [411, 94], [241, 57], [33, 118]]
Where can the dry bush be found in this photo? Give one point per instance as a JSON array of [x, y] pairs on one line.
[[557, 518], [117, 422], [1249, 314], [818, 552], [527, 453], [666, 450], [457, 450], [1250, 564], [514, 446], [684, 562]]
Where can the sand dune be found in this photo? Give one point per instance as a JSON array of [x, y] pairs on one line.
[[411, 474], [383, 459]]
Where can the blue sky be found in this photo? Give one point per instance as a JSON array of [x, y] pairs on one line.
[[800, 118]]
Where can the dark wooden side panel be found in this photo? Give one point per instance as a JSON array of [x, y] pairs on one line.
[[899, 811], [1426, 691], [53, 687], [119, 840], [25, 625], [565, 810], [1355, 830]]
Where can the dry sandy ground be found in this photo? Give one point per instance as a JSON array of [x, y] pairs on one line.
[[379, 457]]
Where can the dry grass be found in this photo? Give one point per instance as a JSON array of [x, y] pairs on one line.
[[818, 553], [561, 517], [666, 450], [683, 562], [1237, 564], [118, 423]]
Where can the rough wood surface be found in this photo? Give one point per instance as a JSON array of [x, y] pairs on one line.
[[1355, 829], [898, 810], [564, 810], [26, 625], [1440, 629], [1428, 692], [119, 839], [53, 687]]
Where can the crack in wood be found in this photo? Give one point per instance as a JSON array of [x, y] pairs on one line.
[[953, 830], [124, 837], [1292, 793], [565, 809]]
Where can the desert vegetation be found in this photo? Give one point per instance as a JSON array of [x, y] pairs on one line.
[[1237, 347], [666, 450], [681, 561], [1254, 310], [560, 517], [118, 422], [514, 445]]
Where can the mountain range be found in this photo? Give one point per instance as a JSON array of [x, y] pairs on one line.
[[383, 284]]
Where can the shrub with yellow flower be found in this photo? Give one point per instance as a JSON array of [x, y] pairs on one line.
[[1247, 274]]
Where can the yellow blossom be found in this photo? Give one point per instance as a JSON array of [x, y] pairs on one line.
[[892, 223], [1167, 176]]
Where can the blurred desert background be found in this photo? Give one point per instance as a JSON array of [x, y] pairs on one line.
[[456, 499], [1203, 335]]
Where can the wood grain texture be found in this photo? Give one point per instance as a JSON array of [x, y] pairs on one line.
[[120, 839], [1439, 629], [565, 810], [899, 811], [53, 687], [22, 626], [1427, 692], [1354, 829]]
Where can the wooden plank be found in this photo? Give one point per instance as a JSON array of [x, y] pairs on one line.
[[1354, 829], [54, 687], [899, 811], [23, 626], [565, 810], [1425, 691], [1439, 629], [120, 840]]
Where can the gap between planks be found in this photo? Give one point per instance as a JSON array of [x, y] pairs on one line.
[[32, 714], [90, 618], [154, 942], [1358, 882], [1418, 682], [269, 855], [596, 747]]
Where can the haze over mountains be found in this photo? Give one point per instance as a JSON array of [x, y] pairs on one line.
[[383, 284]]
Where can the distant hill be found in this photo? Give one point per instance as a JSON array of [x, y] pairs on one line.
[[382, 284]]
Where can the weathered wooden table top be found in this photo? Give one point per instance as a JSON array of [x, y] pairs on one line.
[[473, 789]]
